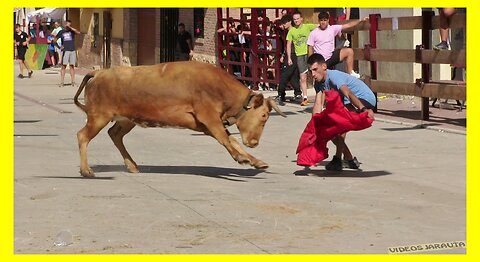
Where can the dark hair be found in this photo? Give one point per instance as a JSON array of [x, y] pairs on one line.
[[286, 18], [315, 58], [181, 24], [323, 15], [17, 25], [297, 13]]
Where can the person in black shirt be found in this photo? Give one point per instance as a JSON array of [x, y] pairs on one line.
[[21, 40], [288, 73], [184, 44]]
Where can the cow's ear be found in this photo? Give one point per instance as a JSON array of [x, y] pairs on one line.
[[257, 100]]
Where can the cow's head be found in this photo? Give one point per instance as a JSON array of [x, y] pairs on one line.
[[253, 120]]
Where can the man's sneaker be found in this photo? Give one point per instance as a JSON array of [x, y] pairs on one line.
[[351, 164], [305, 102], [20, 76], [298, 98], [441, 46], [280, 100], [354, 74], [30, 74], [335, 164]]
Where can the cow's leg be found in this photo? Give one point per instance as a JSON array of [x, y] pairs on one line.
[[259, 164], [117, 132], [84, 136], [215, 129]]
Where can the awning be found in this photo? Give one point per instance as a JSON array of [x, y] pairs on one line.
[[54, 13]]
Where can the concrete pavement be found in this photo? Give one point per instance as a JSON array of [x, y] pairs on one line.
[[191, 197]]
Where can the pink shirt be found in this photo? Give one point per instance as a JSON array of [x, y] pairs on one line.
[[323, 41]]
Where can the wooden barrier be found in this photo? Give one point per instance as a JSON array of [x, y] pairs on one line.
[[423, 87]]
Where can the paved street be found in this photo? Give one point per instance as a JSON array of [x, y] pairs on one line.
[[191, 197]]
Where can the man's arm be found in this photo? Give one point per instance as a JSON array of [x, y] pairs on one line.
[[319, 102], [289, 52], [310, 50], [353, 23], [76, 31], [354, 100]]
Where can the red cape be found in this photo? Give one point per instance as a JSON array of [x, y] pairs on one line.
[[335, 119]]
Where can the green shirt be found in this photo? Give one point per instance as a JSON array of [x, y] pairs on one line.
[[299, 37]]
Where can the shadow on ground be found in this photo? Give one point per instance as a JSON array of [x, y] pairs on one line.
[[232, 174]]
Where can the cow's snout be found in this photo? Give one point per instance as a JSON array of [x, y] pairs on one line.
[[253, 143]]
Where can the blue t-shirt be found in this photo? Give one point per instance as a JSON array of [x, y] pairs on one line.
[[336, 79], [51, 46]]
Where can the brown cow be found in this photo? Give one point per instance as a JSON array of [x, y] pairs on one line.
[[190, 95]]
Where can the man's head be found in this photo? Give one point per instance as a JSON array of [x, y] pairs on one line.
[[181, 28], [318, 67], [18, 28], [56, 24], [67, 23], [323, 19], [286, 21], [297, 19]]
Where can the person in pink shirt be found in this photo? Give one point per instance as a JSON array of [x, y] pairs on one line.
[[322, 41]]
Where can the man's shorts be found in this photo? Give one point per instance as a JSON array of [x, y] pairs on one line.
[[366, 104], [302, 64], [69, 57], [334, 59], [21, 53]]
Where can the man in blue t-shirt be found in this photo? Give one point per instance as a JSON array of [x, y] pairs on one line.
[[356, 95], [69, 56]]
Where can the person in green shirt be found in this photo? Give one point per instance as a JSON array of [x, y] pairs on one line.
[[298, 35]]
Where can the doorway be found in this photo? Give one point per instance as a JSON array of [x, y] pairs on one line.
[[168, 33], [146, 36]]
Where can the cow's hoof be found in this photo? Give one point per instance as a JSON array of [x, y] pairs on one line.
[[132, 169], [87, 173], [261, 165], [243, 160], [131, 166]]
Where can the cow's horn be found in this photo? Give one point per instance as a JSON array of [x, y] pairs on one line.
[[275, 107]]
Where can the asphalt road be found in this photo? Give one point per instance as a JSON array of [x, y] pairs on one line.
[[191, 197]]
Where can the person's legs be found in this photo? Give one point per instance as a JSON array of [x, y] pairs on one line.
[[445, 14], [72, 61], [72, 74], [62, 74], [60, 55], [21, 64], [295, 82], [285, 75], [303, 87], [303, 69], [64, 67], [346, 54]]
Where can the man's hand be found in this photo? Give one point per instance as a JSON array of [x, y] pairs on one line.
[[370, 114]]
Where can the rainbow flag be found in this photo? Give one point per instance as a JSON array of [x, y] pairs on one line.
[[35, 56]]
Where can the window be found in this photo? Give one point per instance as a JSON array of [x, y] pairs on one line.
[[198, 21]]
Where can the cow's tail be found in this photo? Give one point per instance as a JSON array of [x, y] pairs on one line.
[[80, 89]]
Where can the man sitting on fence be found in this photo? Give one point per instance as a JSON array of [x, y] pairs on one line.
[[322, 41]]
